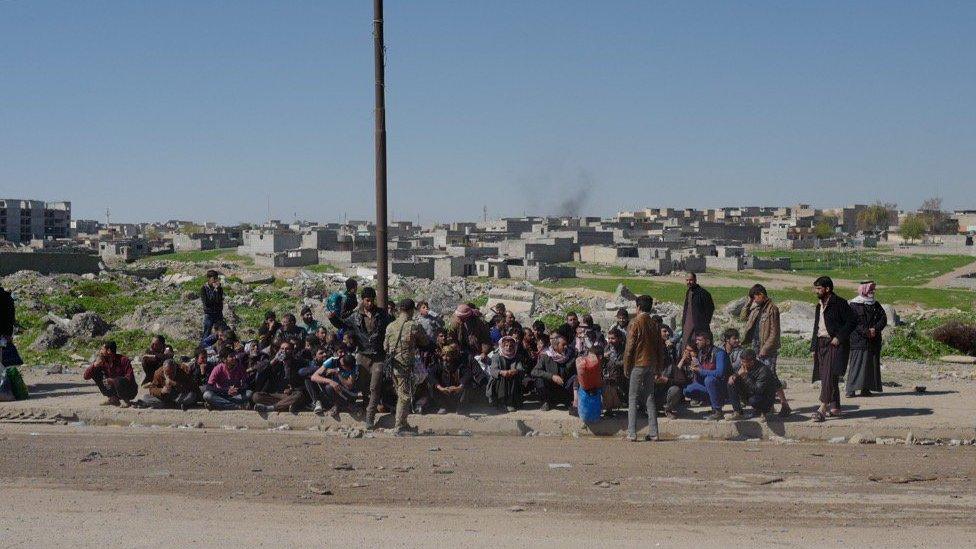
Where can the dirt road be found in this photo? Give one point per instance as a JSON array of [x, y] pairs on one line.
[[168, 486]]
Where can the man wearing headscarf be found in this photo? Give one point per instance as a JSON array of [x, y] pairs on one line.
[[864, 365], [468, 330], [507, 372]]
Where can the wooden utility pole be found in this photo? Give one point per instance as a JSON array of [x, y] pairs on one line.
[[382, 267]]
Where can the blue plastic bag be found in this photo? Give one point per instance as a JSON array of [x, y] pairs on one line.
[[590, 404]]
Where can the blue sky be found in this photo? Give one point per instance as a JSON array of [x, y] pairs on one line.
[[204, 109]]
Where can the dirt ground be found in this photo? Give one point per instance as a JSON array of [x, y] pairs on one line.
[[153, 487]]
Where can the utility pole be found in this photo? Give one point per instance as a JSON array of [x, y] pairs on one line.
[[382, 282]]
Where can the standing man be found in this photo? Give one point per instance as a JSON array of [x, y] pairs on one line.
[[696, 316], [762, 333], [349, 303], [643, 362], [368, 324], [404, 337], [833, 323], [212, 296], [8, 318]]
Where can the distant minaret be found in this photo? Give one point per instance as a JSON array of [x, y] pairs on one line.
[[485, 209], [108, 217]]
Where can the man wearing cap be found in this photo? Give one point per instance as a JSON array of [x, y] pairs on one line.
[[404, 337], [368, 324]]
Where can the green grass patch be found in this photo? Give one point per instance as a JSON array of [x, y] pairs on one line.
[[598, 269], [480, 301], [885, 269], [322, 268], [202, 256], [672, 291], [675, 292]]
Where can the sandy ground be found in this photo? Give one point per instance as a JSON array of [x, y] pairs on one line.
[[947, 410], [146, 488]]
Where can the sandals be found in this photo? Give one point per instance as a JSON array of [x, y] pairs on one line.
[[818, 417], [834, 413]]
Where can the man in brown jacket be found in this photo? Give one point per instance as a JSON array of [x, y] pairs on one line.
[[762, 331], [643, 360]]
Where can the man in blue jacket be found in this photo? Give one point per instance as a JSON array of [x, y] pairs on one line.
[[710, 369]]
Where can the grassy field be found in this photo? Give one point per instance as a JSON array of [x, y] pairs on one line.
[[322, 268], [222, 254], [885, 269], [675, 292]]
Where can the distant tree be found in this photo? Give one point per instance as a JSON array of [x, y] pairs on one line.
[[932, 215], [876, 217], [912, 228], [824, 228], [191, 228]]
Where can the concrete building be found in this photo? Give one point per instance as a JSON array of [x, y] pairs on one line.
[[203, 241], [24, 220], [299, 257], [126, 249], [268, 241], [542, 250], [84, 226]]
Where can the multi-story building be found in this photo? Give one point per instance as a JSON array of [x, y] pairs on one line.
[[24, 220]]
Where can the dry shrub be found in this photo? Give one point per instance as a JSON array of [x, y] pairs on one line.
[[958, 335]]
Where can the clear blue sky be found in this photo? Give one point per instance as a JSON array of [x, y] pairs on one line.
[[202, 109]]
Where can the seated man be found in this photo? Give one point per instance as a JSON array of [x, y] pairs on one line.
[[669, 385], [156, 354], [450, 380], [709, 368], [554, 372], [755, 384], [279, 387], [268, 330], [507, 370], [171, 387], [226, 386], [333, 385], [113, 375], [290, 329], [616, 387], [309, 324]]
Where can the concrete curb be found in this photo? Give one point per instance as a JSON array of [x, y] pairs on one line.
[[527, 423]]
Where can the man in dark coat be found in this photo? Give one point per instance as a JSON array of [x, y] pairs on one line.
[[212, 297], [833, 322], [8, 353], [368, 324], [696, 316], [864, 364]]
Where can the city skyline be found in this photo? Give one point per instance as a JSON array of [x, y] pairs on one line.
[[190, 110]]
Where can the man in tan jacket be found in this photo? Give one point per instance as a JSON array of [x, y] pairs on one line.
[[404, 338], [762, 333], [643, 360]]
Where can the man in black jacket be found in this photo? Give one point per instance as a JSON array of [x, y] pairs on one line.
[[8, 353], [696, 316], [278, 386], [368, 324], [212, 296], [833, 323], [754, 383]]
